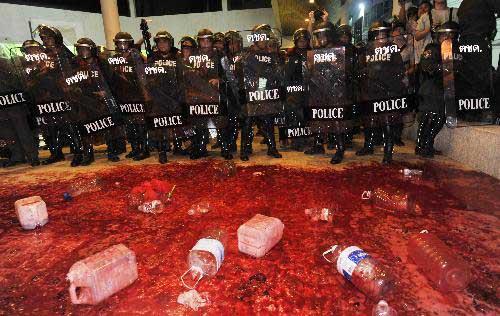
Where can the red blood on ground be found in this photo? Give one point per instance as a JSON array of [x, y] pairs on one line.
[[460, 207]]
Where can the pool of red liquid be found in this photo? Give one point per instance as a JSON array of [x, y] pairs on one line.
[[460, 207]]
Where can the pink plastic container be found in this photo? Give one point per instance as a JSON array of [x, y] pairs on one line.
[[257, 236], [31, 212], [99, 276]]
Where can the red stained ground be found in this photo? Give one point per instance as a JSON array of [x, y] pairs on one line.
[[461, 207]]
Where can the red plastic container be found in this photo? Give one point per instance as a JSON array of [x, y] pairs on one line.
[[99, 276], [444, 268], [367, 275], [31, 212], [261, 233]]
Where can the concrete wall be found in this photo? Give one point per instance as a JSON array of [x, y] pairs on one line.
[[75, 24]]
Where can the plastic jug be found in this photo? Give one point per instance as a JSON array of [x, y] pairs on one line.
[[261, 233], [99, 276], [31, 212]]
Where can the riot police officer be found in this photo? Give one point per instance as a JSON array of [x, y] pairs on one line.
[[58, 130], [431, 91], [296, 59], [128, 86], [266, 109], [164, 89]]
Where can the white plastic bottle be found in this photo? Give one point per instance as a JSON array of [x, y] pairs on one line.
[[206, 257]]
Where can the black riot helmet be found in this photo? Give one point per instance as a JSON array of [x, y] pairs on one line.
[[30, 44], [233, 36], [123, 37], [204, 33], [218, 37], [219, 42], [46, 31], [233, 42], [378, 30], [164, 35], [448, 30], [324, 34], [86, 43], [188, 41], [262, 34], [301, 33], [344, 33], [123, 40]]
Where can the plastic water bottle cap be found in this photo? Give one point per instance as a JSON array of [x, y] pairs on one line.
[[67, 196]]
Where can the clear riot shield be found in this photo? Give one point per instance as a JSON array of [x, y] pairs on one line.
[[95, 110], [41, 71], [467, 83], [165, 107], [202, 85], [262, 74], [11, 95], [293, 122], [386, 81], [329, 109], [124, 72]]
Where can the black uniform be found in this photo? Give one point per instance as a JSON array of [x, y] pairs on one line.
[[15, 129], [164, 117], [260, 77]]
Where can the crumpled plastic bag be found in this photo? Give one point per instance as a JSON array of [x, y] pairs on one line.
[[193, 299], [151, 196]]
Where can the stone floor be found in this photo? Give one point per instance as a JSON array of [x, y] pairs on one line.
[[25, 173]]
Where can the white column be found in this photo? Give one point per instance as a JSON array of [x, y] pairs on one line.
[[110, 20], [131, 7]]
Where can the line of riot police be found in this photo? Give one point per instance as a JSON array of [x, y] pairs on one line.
[[320, 91]]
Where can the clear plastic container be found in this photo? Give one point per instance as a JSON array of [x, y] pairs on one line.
[[364, 272], [199, 209], [206, 257], [443, 267], [411, 174], [99, 276], [320, 214], [391, 200], [383, 309], [81, 186], [259, 235], [31, 212]]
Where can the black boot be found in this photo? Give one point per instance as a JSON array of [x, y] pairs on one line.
[[88, 155], [223, 139], [339, 155], [398, 131], [112, 151], [317, 147], [436, 124], [77, 145], [388, 144], [143, 144], [368, 144], [135, 149], [246, 139], [331, 141], [54, 144], [423, 130], [54, 157], [268, 129], [162, 157]]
